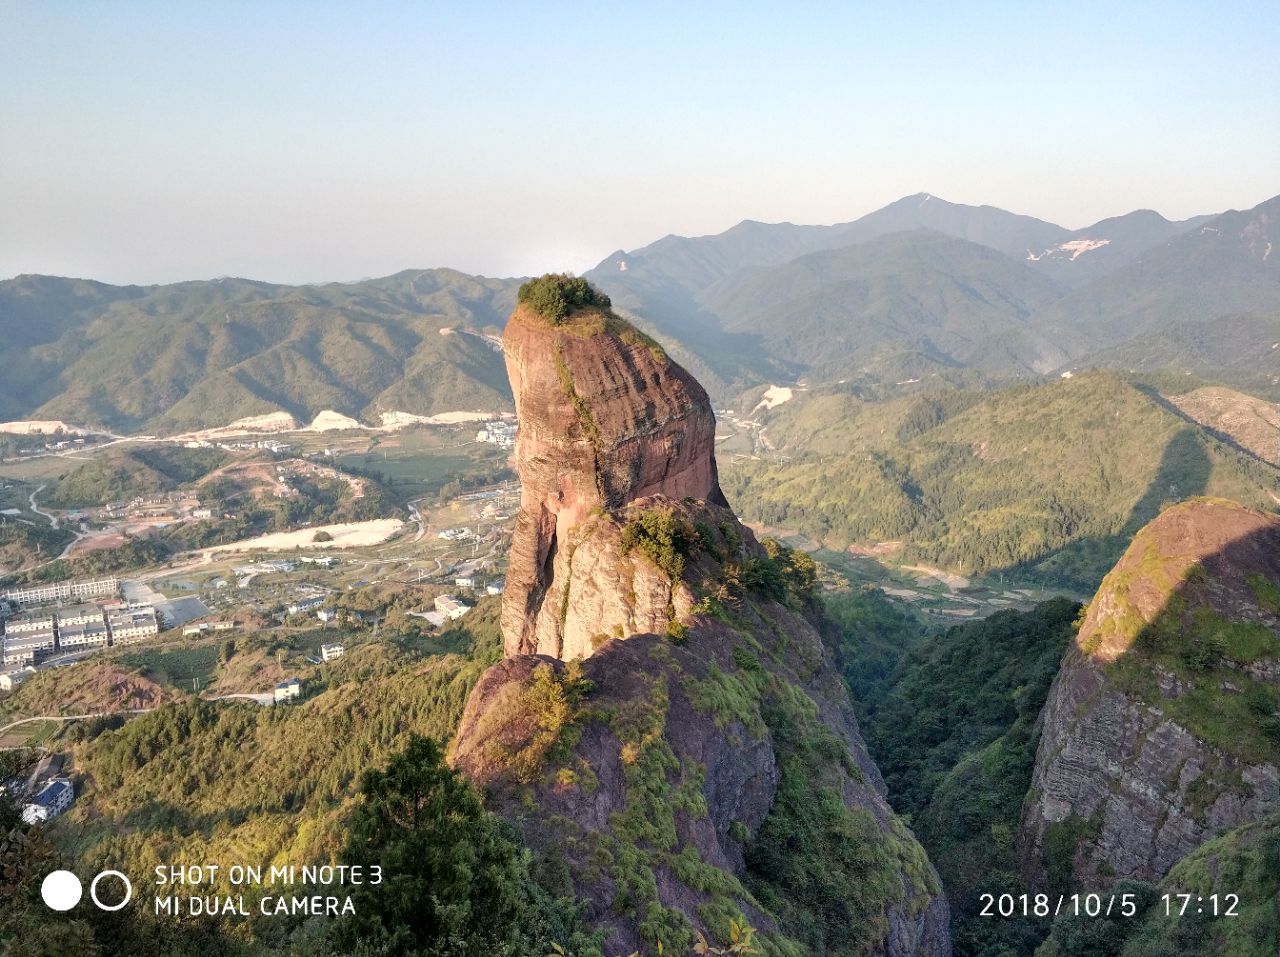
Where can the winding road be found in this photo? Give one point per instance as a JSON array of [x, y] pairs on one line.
[[53, 521]]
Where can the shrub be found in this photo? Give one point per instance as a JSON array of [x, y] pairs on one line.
[[556, 295], [663, 537]]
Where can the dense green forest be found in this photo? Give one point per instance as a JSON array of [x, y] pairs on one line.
[[952, 727], [1053, 479]]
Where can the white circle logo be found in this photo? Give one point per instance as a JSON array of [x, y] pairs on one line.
[[128, 890], [61, 890]]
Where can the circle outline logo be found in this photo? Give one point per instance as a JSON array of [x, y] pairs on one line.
[[128, 891]]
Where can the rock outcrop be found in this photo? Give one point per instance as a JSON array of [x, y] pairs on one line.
[[1162, 728], [605, 419], [667, 729]]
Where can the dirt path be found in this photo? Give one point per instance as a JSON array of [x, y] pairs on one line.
[[71, 717], [53, 521]]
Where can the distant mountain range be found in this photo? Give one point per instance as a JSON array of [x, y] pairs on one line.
[[169, 358], [924, 283], [922, 288]]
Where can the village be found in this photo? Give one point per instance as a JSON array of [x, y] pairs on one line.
[[305, 608]]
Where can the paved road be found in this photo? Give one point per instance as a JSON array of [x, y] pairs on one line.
[[53, 523]]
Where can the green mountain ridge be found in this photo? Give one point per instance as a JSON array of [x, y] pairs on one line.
[[169, 358], [1055, 478], [751, 291], [920, 287]]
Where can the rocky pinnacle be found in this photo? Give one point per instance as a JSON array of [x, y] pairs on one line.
[[606, 418]]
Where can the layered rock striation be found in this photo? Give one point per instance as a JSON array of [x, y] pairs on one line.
[[667, 729], [605, 419], [1162, 728]]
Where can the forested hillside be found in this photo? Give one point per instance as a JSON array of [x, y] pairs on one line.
[[1055, 478], [953, 729], [169, 358], [1241, 351], [225, 781]]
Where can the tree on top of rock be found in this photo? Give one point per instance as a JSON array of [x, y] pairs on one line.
[[555, 296]]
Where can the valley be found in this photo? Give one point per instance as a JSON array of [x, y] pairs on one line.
[[809, 622]]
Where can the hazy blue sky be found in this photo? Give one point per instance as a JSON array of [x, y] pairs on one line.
[[153, 142]]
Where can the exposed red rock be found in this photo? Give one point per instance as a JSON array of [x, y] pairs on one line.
[[643, 773], [1153, 740], [605, 419]]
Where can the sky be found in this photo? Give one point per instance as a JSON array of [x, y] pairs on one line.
[[306, 142]]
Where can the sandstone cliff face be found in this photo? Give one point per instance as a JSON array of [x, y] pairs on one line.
[[605, 419], [1161, 729], [701, 762]]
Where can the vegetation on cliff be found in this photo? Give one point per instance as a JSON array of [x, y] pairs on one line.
[[557, 295], [1239, 871], [1213, 624]]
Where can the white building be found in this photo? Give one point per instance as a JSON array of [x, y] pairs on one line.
[[327, 615], [208, 626], [132, 624], [466, 581], [288, 690], [451, 607], [92, 634], [80, 615], [31, 622], [60, 591], [11, 679], [305, 604], [29, 647], [329, 652], [54, 798], [496, 588]]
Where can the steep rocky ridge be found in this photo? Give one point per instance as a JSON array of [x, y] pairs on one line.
[[1162, 728], [667, 729]]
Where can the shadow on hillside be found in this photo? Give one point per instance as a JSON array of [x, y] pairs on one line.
[[1205, 656], [1183, 473], [1225, 438]]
